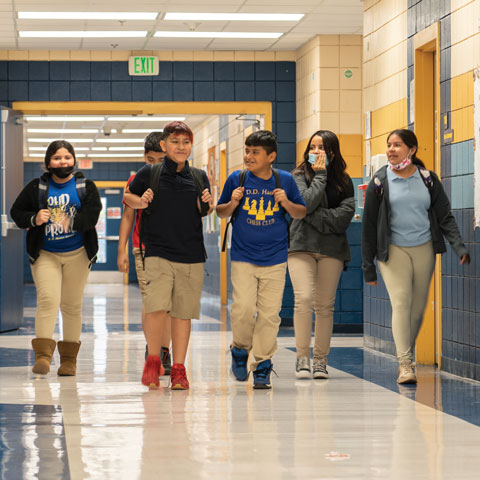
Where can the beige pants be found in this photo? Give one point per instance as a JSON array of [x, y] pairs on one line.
[[407, 275], [257, 300], [314, 278], [60, 280]]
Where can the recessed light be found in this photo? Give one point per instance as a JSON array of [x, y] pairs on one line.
[[145, 119], [232, 17], [62, 130], [40, 155], [113, 155], [139, 130], [49, 140], [83, 34], [88, 15], [71, 118], [120, 140], [177, 34], [134, 149]]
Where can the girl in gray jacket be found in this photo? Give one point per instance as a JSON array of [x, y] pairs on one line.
[[319, 248], [407, 214]]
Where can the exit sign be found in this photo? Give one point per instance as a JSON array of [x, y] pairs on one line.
[[143, 65]]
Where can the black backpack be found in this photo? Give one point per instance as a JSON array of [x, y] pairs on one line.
[[155, 173], [241, 181]]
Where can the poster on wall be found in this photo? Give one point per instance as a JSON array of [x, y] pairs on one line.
[[476, 144]]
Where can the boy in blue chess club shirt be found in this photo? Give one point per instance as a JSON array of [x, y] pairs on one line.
[[258, 253]]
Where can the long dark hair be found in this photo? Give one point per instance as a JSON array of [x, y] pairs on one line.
[[410, 140], [336, 164], [56, 145]]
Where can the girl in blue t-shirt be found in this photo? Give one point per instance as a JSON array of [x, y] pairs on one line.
[[60, 210]]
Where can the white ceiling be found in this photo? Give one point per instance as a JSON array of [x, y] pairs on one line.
[[321, 17]]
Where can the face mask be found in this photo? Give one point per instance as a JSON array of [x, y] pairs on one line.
[[402, 165], [61, 172]]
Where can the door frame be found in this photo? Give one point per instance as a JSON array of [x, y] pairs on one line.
[[427, 106], [159, 108]]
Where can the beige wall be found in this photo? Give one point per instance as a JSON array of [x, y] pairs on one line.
[[326, 98], [163, 55]]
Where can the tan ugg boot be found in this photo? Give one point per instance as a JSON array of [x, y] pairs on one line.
[[43, 348], [68, 358]]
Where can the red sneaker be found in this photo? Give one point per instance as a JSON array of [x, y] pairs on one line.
[[151, 371], [178, 377]]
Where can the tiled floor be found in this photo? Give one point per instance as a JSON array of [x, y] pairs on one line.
[[104, 424]]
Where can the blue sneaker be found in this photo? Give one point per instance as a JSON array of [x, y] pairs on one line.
[[239, 363], [261, 376]]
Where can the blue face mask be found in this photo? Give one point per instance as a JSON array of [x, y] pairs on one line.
[[312, 158]]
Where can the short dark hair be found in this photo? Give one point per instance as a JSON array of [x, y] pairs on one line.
[[152, 142], [56, 145], [262, 138], [177, 128]]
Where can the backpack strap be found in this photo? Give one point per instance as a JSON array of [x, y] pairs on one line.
[[241, 180], [80, 185], [198, 176], [42, 193]]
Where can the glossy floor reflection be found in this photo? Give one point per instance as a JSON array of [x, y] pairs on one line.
[[104, 424]]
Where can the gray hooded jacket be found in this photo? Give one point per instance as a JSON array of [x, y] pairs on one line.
[[323, 229]]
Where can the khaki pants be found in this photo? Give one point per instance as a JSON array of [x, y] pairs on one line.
[[314, 278], [257, 300], [407, 276], [60, 280]]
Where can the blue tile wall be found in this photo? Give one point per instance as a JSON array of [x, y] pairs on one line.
[[460, 284]]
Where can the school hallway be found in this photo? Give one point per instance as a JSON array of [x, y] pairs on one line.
[[103, 423]]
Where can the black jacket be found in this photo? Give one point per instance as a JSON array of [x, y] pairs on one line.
[[376, 231], [26, 207]]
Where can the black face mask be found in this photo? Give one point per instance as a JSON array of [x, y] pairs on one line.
[[61, 172]]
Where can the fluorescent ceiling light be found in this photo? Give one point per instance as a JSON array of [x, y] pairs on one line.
[[88, 15], [42, 149], [62, 130], [146, 119], [71, 140], [119, 149], [120, 140], [64, 119], [113, 155], [40, 155], [249, 17], [100, 149], [83, 34], [139, 130], [217, 34]]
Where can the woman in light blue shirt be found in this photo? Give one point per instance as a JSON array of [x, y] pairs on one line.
[[406, 216]]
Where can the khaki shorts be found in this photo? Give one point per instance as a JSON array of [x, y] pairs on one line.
[[139, 269], [173, 287]]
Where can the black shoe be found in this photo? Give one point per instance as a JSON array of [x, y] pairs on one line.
[[166, 360]]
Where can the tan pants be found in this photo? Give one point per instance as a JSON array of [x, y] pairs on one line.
[[314, 279], [60, 280], [257, 300], [407, 276]]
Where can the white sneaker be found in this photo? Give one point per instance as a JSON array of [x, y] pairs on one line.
[[302, 369], [319, 369], [406, 372]]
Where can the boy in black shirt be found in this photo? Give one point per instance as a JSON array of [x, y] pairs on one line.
[[174, 251]]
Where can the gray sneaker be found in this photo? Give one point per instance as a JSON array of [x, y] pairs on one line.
[[319, 369], [302, 369]]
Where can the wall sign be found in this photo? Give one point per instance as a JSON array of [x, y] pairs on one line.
[[142, 65]]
